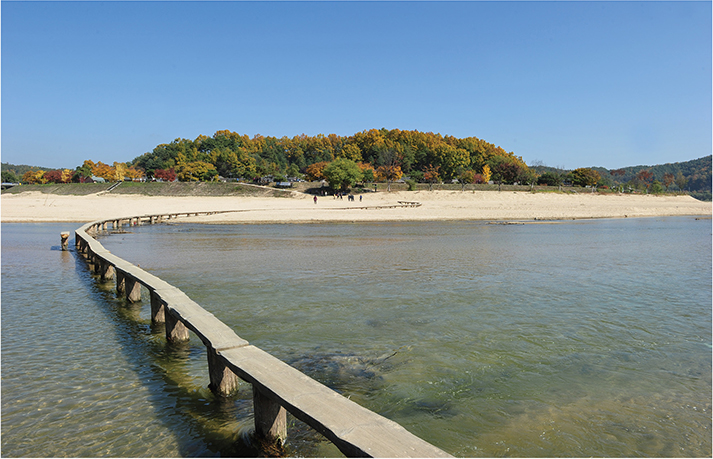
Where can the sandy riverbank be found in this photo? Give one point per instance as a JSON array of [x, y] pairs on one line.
[[436, 205]]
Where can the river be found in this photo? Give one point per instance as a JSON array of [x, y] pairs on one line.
[[580, 338]]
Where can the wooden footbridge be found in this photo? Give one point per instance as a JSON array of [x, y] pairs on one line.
[[276, 386]]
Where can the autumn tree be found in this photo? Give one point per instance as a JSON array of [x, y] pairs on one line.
[[120, 171], [367, 172], [350, 151], [668, 179], [314, 171], [431, 176], [390, 166], [389, 174], [58, 176], [167, 175], [487, 173], [644, 177], [104, 171], [585, 176], [195, 171], [67, 175], [34, 176], [233, 163], [342, 173]]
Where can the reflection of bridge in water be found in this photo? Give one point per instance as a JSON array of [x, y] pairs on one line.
[[277, 387]]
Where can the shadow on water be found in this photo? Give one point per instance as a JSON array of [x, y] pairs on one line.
[[176, 375], [204, 424]]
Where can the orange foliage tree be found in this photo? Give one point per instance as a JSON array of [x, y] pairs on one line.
[[315, 171]]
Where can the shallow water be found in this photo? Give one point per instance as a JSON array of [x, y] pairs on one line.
[[572, 339]]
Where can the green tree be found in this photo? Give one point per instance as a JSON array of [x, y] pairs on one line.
[[656, 187], [681, 181], [550, 179], [342, 173], [528, 176], [504, 169], [466, 177], [9, 177]]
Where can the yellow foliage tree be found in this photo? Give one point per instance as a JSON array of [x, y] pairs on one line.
[[134, 172], [102, 170], [120, 170], [67, 175], [37, 176], [486, 173], [196, 171], [350, 151]]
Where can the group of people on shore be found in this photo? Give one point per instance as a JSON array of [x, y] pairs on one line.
[[340, 195]]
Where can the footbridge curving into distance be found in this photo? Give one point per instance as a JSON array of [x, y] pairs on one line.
[[276, 386]]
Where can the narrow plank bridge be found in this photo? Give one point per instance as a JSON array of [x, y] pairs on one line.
[[277, 387]]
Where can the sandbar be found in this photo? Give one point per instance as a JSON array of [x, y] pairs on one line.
[[301, 208]]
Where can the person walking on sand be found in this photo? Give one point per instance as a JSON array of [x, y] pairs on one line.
[[315, 199]]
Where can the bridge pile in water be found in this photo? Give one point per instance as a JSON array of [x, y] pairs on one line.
[[277, 387]]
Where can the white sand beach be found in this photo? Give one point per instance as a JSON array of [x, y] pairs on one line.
[[435, 205]]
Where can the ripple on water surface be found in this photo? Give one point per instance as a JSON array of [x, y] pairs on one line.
[[526, 340]]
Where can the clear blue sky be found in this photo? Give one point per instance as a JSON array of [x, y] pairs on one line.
[[570, 84]]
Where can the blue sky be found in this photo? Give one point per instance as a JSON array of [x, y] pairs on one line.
[[571, 84]]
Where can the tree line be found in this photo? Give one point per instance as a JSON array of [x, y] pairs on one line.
[[378, 153], [371, 155]]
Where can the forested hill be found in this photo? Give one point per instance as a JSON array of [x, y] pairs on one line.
[[236, 155], [693, 176], [698, 172]]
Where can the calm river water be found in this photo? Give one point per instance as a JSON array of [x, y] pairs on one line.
[[586, 338]]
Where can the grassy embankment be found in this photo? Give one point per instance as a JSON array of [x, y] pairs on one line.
[[241, 189], [153, 189]]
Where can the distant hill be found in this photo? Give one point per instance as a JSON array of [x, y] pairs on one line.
[[697, 172], [19, 170]]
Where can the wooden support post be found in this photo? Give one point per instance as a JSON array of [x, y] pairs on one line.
[[222, 380], [64, 237], [175, 330], [158, 311], [120, 282], [133, 289], [270, 417]]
